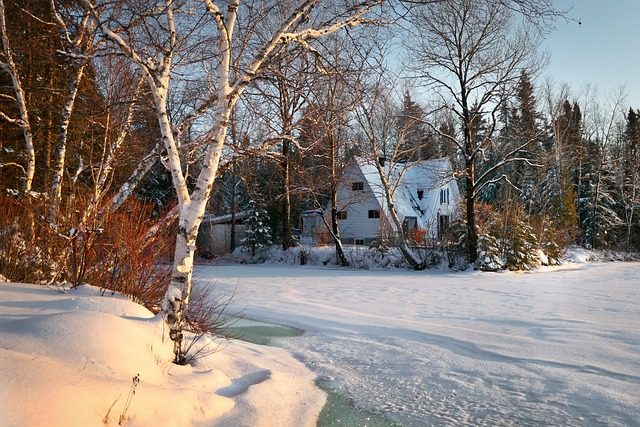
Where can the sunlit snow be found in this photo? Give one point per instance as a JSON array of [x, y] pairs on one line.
[[543, 348]]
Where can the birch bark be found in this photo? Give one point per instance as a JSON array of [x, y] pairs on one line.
[[23, 122]]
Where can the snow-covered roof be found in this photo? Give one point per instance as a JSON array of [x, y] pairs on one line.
[[405, 180], [221, 219]]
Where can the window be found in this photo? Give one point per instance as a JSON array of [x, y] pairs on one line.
[[374, 213], [359, 242], [341, 215], [410, 224], [420, 194], [444, 196], [443, 224], [357, 186]]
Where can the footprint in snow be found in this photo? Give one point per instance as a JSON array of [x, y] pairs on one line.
[[242, 384]]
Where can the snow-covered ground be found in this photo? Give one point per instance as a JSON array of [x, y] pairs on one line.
[[555, 347], [70, 359]]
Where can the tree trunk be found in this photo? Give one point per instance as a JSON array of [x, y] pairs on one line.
[[472, 235], [335, 234], [58, 169], [286, 197], [594, 219], [234, 207], [177, 298], [127, 188], [335, 230], [23, 122]]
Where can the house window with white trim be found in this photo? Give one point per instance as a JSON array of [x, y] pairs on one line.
[[341, 215], [359, 242], [374, 213], [444, 196], [357, 186]]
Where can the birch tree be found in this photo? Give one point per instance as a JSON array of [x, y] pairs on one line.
[[79, 45], [239, 56], [8, 64]]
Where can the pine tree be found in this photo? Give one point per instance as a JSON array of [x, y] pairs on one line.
[[549, 245], [488, 253], [414, 141], [628, 180], [257, 232], [523, 251]]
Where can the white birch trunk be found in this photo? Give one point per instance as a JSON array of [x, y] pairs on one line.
[[61, 152], [23, 121], [127, 188], [192, 206]]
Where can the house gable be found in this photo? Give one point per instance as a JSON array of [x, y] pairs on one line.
[[417, 197], [357, 204]]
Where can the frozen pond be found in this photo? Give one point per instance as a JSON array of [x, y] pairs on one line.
[[339, 408], [543, 348]]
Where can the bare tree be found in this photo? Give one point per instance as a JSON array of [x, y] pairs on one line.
[[79, 45], [7, 63], [327, 123], [470, 53], [235, 42], [383, 132]]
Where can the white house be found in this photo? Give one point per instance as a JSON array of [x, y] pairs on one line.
[[425, 196]]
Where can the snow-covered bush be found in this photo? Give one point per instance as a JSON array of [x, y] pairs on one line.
[[359, 257]]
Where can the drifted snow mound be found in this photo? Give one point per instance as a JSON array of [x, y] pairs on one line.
[[70, 359]]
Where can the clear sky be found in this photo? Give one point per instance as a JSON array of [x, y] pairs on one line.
[[604, 49]]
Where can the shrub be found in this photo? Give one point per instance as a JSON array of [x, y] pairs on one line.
[[132, 255], [113, 251]]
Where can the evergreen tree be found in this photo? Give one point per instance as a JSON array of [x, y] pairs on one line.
[[488, 253], [415, 143], [522, 253], [565, 174], [550, 247], [628, 180], [258, 231], [631, 143]]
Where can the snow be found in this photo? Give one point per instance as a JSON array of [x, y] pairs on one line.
[[556, 346], [70, 359]]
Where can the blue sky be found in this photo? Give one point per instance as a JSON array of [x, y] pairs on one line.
[[603, 50]]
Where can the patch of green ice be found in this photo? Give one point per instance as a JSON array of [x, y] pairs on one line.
[[339, 411], [259, 332]]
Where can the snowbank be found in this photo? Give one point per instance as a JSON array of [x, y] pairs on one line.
[[70, 359], [359, 257]]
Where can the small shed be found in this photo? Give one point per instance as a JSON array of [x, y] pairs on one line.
[[217, 232]]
